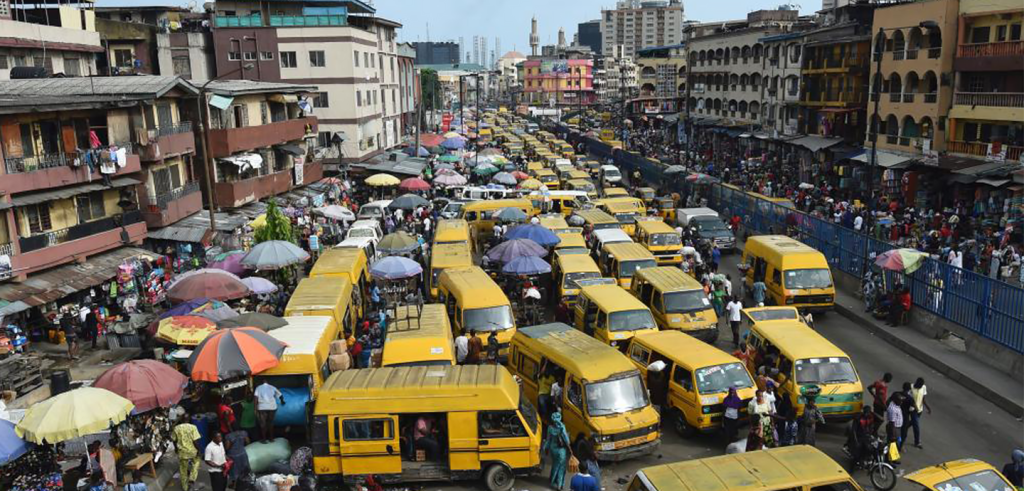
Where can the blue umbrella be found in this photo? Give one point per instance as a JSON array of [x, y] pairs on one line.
[[11, 445], [527, 265], [509, 250], [395, 268], [509, 167], [184, 308], [454, 143], [510, 215], [542, 236], [422, 153]]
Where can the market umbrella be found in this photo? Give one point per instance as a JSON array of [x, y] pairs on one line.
[[231, 263], [542, 236], [263, 321], [397, 243], [520, 175], [195, 272], [504, 178], [72, 414], [506, 251], [675, 169], [431, 139], [452, 134], [185, 330], [183, 308], [443, 166], [510, 215], [449, 180], [382, 180], [454, 143], [531, 184], [449, 158], [509, 167], [218, 314], [148, 384], [395, 268], [414, 184], [699, 178], [336, 212], [11, 445], [259, 286], [906, 260], [217, 286], [274, 254], [526, 265], [485, 169], [490, 151], [408, 202], [422, 153], [234, 352], [259, 221]]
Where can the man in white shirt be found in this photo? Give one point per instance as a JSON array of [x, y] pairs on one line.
[[734, 307], [215, 458], [267, 397], [461, 348], [858, 222]]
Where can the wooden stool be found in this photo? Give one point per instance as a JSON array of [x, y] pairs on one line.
[[140, 462]]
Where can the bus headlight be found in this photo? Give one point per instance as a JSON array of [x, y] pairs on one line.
[[790, 301], [603, 438]]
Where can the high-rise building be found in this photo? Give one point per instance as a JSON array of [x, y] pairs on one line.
[[589, 34], [534, 37], [497, 50], [462, 44], [435, 53], [637, 25]]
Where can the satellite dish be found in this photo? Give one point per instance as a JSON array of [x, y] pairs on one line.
[[192, 5]]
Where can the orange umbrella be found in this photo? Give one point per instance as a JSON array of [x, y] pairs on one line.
[[234, 352], [185, 330]]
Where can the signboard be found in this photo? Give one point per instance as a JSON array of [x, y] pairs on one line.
[[297, 171], [557, 66], [996, 151]]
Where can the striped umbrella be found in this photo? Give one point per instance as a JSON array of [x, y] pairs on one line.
[[234, 352]]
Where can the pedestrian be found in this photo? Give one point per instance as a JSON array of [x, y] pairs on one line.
[[731, 415], [70, 335], [735, 307], [492, 347], [583, 481], [267, 397], [476, 347], [225, 415], [809, 422], [556, 445], [716, 257], [880, 392], [790, 433], [216, 459], [461, 347], [137, 484], [1014, 471], [234, 446], [186, 440], [918, 394], [757, 290], [92, 325], [588, 459], [894, 420], [906, 406]]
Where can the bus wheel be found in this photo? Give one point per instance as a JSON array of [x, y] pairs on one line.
[[499, 478], [682, 427]]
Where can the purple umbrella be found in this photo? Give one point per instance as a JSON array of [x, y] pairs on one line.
[[231, 263], [259, 285], [527, 265], [454, 143], [184, 308], [506, 251], [395, 268], [542, 236]]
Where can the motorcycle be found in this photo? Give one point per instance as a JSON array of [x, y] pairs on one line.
[[12, 340], [876, 463]]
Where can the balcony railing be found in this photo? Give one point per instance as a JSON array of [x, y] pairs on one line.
[[15, 165], [56, 237], [254, 20], [891, 139], [934, 53], [174, 129], [908, 97], [992, 99], [899, 55], [981, 149], [7, 249], [1006, 48], [931, 98], [911, 54], [895, 97], [308, 20], [162, 200]]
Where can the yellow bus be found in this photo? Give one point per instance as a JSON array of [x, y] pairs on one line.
[[620, 260], [584, 185], [452, 231], [677, 301], [962, 474], [324, 296], [603, 395], [444, 256], [571, 243], [346, 262], [476, 303], [548, 178], [569, 268], [625, 210], [480, 215], [597, 219], [662, 240], [303, 366], [796, 274], [419, 338], [363, 423], [611, 315]]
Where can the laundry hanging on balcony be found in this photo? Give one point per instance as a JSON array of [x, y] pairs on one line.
[[245, 161]]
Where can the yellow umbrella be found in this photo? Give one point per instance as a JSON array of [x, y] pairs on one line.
[[452, 134], [76, 413], [381, 180], [259, 221], [531, 184], [185, 330]]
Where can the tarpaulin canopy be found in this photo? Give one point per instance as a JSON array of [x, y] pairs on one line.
[[244, 161], [889, 160], [291, 148]]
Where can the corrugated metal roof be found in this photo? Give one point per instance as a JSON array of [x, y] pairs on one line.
[[67, 192], [242, 87], [62, 281], [124, 87]]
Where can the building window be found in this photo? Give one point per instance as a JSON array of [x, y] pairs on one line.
[[38, 217], [320, 99], [250, 56], [72, 67], [356, 58], [3, 62], [323, 139], [366, 60], [266, 55], [90, 206], [317, 59], [234, 56], [359, 99], [288, 59]]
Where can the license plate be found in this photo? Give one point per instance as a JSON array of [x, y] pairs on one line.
[[632, 441]]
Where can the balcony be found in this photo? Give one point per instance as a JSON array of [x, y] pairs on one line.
[[895, 97], [1004, 56], [54, 170], [165, 209], [931, 98], [225, 142], [57, 247], [908, 97], [990, 99], [980, 149], [237, 193], [308, 20], [254, 20], [168, 141]]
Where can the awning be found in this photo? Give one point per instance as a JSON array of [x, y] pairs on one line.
[[291, 148], [961, 178], [244, 161], [992, 169], [62, 193], [221, 102], [13, 307], [671, 118], [62, 281], [889, 160], [815, 142], [181, 233], [994, 182], [283, 98]]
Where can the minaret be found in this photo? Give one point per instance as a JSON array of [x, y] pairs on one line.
[[561, 38], [534, 37]]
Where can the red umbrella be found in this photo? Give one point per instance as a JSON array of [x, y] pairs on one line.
[[520, 175], [234, 352], [149, 384], [430, 139], [216, 286], [414, 184]]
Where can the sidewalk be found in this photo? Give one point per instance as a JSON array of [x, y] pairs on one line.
[[982, 379]]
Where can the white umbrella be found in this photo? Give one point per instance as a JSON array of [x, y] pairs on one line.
[[336, 212]]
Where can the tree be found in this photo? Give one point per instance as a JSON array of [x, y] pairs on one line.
[[430, 89], [277, 227]]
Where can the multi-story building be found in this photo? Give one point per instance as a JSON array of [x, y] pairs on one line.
[[987, 117], [436, 53], [636, 24], [129, 36], [508, 74], [408, 91], [60, 38], [907, 99], [561, 82], [780, 69], [186, 51], [87, 163], [589, 34], [342, 48], [662, 80], [259, 140]]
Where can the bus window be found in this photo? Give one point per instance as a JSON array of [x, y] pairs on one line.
[[366, 429], [500, 424]]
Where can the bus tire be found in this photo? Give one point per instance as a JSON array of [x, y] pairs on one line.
[[682, 427], [499, 478]]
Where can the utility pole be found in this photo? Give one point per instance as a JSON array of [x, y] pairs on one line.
[[462, 122], [419, 112]]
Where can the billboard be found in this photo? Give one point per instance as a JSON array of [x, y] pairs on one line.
[[554, 66]]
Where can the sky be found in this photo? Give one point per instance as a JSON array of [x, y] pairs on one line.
[[510, 19]]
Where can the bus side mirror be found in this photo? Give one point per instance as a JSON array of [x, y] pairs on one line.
[[390, 449]]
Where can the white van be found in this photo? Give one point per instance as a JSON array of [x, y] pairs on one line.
[[487, 194], [599, 238], [375, 210], [365, 228], [367, 244], [610, 175]]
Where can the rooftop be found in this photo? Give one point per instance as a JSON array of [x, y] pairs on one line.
[[243, 87], [83, 92]]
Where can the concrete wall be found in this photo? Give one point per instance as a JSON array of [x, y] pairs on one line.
[[197, 45]]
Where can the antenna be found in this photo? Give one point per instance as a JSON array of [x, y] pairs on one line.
[[428, 32]]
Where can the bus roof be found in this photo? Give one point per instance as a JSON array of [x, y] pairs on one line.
[[608, 295], [571, 240], [781, 246], [409, 332], [612, 234], [797, 341], [685, 349], [475, 286], [655, 227], [669, 279], [625, 251], [596, 216], [336, 260], [553, 221], [577, 263], [320, 293], [575, 351], [418, 390], [447, 224], [452, 254], [303, 334], [494, 204], [934, 475], [777, 468]]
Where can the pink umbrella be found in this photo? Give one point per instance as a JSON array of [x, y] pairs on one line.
[[414, 184], [181, 276], [520, 175], [208, 284], [149, 384], [449, 180], [230, 264]]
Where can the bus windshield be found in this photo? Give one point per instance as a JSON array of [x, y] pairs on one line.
[[626, 217], [666, 240], [712, 380], [832, 370], [798, 279], [569, 280], [683, 302], [627, 268], [616, 396], [630, 320], [487, 319]]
